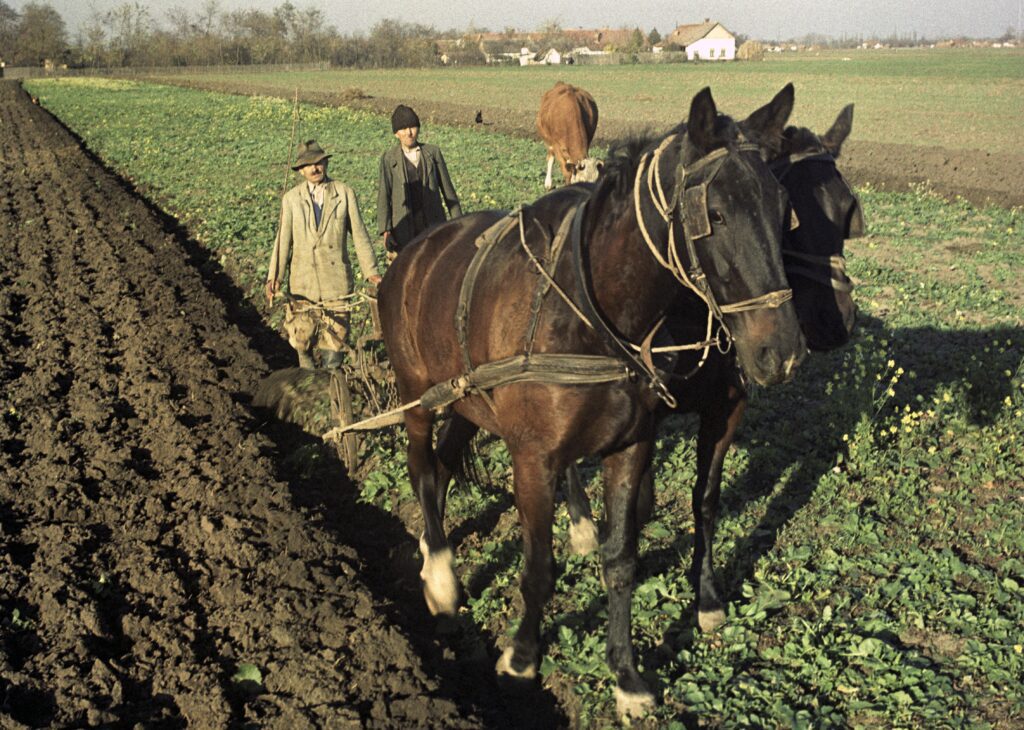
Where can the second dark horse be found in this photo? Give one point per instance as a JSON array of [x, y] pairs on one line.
[[828, 213], [699, 212]]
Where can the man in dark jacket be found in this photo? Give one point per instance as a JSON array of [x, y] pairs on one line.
[[413, 181]]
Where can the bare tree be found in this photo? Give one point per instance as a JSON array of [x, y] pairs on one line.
[[92, 42], [129, 29]]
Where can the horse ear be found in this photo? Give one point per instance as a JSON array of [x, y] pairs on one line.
[[769, 120], [700, 125], [833, 139]]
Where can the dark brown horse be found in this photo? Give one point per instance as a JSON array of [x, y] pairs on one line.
[[828, 213], [699, 212]]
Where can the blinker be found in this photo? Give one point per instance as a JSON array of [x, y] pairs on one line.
[[696, 222]]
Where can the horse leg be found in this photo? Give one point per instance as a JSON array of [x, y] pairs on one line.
[[535, 502], [452, 440], [440, 586], [645, 497], [622, 473], [718, 426], [582, 530]]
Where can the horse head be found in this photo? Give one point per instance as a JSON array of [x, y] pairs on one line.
[[827, 213], [731, 209], [586, 170]]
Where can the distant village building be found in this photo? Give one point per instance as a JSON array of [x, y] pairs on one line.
[[707, 41]]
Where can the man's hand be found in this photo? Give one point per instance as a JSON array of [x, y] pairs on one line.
[[272, 287], [375, 279]]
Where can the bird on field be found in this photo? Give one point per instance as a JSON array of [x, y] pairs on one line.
[[479, 117]]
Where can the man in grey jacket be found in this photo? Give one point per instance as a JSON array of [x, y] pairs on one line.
[[413, 180], [316, 217]]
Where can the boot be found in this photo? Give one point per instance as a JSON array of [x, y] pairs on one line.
[[306, 360], [331, 359]]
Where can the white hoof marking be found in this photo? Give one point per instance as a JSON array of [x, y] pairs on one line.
[[633, 704], [583, 536], [504, 666], [710, 620], [440, 587]]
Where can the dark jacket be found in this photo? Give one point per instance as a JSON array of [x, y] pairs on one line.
[[393, 205]]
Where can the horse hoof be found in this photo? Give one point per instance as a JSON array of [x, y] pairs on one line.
[[710, 620], [583, 536], [504, 666], [632, 704], [440, 587]]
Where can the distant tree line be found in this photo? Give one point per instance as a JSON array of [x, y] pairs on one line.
[[131, 34]]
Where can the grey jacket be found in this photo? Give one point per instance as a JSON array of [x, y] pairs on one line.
[[393, 208], [317, 256]]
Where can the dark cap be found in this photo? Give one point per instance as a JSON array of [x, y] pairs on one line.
[[403, 117]]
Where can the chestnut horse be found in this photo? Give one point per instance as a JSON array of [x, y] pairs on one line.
[[828, 213], [699, 212]]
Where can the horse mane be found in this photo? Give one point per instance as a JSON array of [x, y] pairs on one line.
[[799, 139], [623, 159], [625, 153]]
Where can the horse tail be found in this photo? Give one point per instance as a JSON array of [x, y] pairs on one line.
[[469, 471], [459, 451]]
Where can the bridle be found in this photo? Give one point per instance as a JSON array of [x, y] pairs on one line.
[[690, 206]]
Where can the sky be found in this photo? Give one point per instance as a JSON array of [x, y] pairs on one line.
[[763, 19]]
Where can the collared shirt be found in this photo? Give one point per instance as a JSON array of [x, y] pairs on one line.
[[316, 195], [413, 155]]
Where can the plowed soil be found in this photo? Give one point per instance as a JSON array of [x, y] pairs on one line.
[[152, 536]]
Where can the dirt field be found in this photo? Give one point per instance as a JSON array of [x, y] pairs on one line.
[[152, 536], [979, 176]]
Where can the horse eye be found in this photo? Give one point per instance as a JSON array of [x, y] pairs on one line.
[[715, 216]]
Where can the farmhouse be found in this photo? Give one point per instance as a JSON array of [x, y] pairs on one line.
[[707, 41]]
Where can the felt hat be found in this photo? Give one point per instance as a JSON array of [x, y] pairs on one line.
[[403, 117], [309, 153]]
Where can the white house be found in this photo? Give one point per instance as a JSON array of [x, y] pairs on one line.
[[550, 57], [707, 41]]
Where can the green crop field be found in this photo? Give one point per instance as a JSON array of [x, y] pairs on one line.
[[951, 98], [871, 539]]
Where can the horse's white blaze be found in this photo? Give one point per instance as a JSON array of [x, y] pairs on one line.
[[633, 704], [504, 666], [710, 620], [547, 180], [583, 536], [440, 587]]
